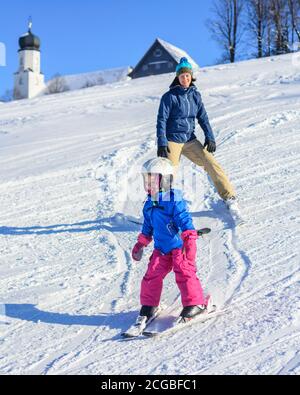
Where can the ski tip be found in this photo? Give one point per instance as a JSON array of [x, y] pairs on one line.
[[203, 231], [240, 223], [150, 334], [127, 336], [212, 309]]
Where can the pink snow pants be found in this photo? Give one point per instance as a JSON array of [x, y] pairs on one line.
[[185, 274]]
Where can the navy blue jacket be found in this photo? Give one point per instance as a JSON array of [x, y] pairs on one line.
[[165, 218], [178, 110]]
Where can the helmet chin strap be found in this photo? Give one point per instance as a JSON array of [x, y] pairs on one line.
[[160, 182]]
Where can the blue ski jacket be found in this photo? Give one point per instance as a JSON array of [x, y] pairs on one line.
[[164, 218], [179, 108]]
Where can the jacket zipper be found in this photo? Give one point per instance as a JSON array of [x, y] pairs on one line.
[[189, 108]]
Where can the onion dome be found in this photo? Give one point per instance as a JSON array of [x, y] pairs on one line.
[[29, 41]]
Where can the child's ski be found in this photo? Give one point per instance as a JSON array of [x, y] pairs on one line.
[[172, 324]]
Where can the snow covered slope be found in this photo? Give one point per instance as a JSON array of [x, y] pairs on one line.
[[68, 286]]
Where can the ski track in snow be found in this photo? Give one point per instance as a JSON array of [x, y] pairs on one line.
[[68, 284]]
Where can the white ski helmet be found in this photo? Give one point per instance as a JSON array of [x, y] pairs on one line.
[[164, 168], [161, 166]]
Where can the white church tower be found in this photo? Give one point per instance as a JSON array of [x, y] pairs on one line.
[[29, 81]]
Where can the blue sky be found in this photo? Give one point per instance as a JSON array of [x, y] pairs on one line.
[[80, 36]]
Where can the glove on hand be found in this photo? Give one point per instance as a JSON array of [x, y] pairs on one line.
[[211, 146], [162, 152], [137, 252], [189, 238], [138, 249], [189, 235]]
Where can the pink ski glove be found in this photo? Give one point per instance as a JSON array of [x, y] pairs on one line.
[[138, 249], [189, 238]]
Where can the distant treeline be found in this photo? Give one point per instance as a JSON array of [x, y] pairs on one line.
[[255, 28]]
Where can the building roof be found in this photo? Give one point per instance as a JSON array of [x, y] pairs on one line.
[[173, 52], [177, 53]]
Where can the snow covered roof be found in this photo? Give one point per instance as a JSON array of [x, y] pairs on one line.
[[162, 57], [177, 53]]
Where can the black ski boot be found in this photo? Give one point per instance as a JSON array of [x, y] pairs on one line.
[[190, 312], [148, 311], [147, 315]]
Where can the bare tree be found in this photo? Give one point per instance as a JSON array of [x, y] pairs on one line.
[[258, 17], [272, 26], [294, 9], [99, 80], [88, 84], [57, 85], [269, 33], [226, 27], [279, 13]]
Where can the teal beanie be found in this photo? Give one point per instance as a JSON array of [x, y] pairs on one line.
[[184, 67]]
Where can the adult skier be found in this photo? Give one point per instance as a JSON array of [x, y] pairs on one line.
[[165, 214], [179, 108]]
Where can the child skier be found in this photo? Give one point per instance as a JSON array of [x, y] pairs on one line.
[[165, 214]]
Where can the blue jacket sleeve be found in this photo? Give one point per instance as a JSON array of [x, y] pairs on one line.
[[182, 217], [147, 229], [162, 119], [202, 118]]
